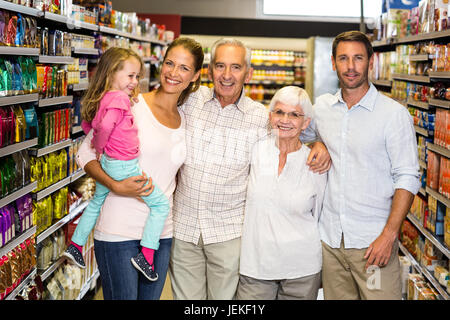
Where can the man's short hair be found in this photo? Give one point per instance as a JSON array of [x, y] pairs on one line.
[[353, 36], [233, 42]]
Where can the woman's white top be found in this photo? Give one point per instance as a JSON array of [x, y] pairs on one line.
[[162, 152], [280, 238]]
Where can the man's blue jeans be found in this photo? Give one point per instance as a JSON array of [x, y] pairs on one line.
[[120, 279]]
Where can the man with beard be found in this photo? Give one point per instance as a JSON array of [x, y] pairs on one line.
[[372, 181]]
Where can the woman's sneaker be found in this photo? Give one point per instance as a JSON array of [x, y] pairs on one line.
[[75, 257], [140, 263]]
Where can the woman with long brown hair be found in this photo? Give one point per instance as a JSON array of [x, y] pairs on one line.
[[162, 148]]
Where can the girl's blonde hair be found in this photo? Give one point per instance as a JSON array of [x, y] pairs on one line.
[[110, 62]]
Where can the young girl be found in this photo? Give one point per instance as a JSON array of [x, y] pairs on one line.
[[106, 109]]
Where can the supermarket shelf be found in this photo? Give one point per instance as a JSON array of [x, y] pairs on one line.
[[61, 222], [437, 195], [17, 194], [419, 104], [79, 86], [17, 240], [76, 129], [424, 271], [423, 192], [422, 164], [22, 285], [87, 284], [438, 242], [420, 57], [88, 51], [438, 149], [77, 175], [19, 51], [409, 77], [20, 8], [18, 147], [423, 132], [55, 101], [49, 271], [49, 190], [440, 103], [439, 75], [382, 82], [84, 25], [24, 98], [56, 59], [423, 36], [51, 148], [55, 17]]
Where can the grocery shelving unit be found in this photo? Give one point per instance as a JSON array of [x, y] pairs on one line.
[[71, 25], [430, 106]]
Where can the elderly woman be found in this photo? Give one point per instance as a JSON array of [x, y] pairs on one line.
[[281, 254]]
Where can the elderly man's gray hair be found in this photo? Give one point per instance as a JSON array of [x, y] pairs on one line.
[[233, 42], [293, 96]]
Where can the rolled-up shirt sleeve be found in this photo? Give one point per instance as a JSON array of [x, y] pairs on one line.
[[402, 149], [85, 152]]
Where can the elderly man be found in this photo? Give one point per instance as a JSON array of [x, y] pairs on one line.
[[372, 181], [222, 125]]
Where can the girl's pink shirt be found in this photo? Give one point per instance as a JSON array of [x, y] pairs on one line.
[[114, 130]]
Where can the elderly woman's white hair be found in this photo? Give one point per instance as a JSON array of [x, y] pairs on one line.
[[293, 96]]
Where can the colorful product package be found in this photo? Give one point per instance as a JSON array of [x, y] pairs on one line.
[[20, 124], [20, 31], [31, 120], [6, 77], [11, 30], [26, 167], [3, 23]]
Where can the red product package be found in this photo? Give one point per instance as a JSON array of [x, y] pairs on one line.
[[57, 125], [11, 31]]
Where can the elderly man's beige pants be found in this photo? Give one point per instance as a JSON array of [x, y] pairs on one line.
[[199, 272], [344, 276]]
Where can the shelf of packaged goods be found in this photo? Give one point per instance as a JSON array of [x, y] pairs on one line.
[[423, 36], [17, 194], [438, 149], [382, 42], [423, 192], [13, 148], [83, 25], [438, 241], [87, 51], [38, 152], [420, 57], [382, 82], [56, 59], [438, 196], [19, 51], [24, 98], [76, 175], [22, 285], [440, 103], [410, 77], [55, 101], [419, 104], [55, 17], [57, 185], [87, 285], [49, 271], [76, 129], [61, 222], [50, 189], [422, 131], [79, 86], [426, 273], [21, 8], [18, 239], [439, 74], [422, 164]]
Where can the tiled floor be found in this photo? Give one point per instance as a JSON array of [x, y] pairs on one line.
[[166, 294]]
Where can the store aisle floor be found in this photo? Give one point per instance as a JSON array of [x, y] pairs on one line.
[[166, 294]]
